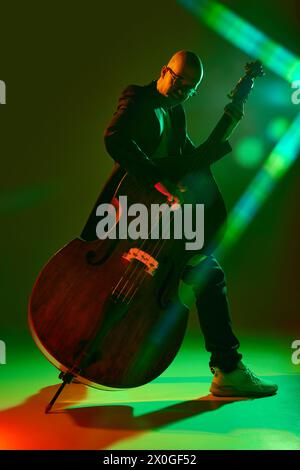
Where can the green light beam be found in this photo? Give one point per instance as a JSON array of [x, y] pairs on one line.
[[279, 161], [283, 63], [246, 37]]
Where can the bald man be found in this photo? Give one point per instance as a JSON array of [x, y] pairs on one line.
[[149, 123]]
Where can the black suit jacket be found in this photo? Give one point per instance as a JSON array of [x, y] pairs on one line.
[[133, 135]]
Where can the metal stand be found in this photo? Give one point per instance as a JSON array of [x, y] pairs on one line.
[[67, 378], [85, 355]]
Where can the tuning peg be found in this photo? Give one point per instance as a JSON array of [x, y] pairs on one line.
[[255, 69]]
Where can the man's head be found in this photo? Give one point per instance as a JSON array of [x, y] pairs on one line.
[[181, 77]]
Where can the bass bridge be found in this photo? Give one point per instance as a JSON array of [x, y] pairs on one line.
[[151, 264]]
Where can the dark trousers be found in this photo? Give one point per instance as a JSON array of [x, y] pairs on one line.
[[208, 281]]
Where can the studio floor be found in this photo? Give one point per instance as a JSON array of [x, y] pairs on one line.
[[176, 411]]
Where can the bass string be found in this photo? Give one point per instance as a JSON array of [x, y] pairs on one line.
[[139, 267], [131, 274], [128, 266], [155, 255], [192, 165], [142, 274]]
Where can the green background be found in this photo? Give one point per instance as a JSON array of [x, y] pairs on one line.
[[65, 64]]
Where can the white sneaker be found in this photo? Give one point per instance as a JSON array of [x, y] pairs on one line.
[[240, 383]]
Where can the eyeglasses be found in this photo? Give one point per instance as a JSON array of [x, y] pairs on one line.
[[185, 89]]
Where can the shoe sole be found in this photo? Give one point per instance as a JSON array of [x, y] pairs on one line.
[[230, 392]]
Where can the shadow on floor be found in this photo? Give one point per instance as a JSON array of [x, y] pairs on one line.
[[26, 426], [122, 416]]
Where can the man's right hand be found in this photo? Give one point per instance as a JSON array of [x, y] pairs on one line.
[[174, 192]]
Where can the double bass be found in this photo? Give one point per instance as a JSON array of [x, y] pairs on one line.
[[108, 313]]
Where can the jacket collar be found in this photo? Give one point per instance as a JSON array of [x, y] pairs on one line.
[[159, 100]]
